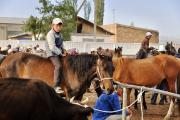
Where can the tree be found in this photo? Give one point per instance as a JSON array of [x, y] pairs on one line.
[[87, 10], [33, 25], [99, 11], [65, 9]]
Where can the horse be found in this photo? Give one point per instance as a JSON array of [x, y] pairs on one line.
[[78, 71], [170, 49], [149, 72]]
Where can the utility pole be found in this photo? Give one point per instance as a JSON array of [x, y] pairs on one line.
[[94, 20], [113, 15]]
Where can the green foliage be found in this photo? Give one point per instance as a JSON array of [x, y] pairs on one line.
[[33, 25], [64, 9], [99, 11]]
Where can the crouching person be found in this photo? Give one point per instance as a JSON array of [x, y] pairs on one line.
[[108, 103]]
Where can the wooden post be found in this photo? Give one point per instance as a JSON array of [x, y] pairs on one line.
[[124, 103], [94, 20]]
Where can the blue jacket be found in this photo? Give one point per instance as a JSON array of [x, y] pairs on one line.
[[107, 103]]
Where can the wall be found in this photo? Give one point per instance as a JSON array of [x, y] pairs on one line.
[[89, 29], [7, 30], [129, 34], [75, 37], [129, 49]]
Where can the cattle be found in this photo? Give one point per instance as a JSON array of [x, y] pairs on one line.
[[29, 99]]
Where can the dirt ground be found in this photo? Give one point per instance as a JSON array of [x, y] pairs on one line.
[[154, 112]]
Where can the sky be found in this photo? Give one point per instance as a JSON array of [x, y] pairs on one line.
[[160, 15]]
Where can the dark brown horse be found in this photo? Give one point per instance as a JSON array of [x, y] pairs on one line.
[[149, 72], [170, 49], [78, 71]]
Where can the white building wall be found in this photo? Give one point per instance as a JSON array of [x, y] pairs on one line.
[[90, 37], [128, 48]]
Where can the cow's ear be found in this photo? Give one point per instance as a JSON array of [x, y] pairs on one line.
[[86, 111]]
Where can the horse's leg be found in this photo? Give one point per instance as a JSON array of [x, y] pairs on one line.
[[135, 94], [171, 85], [66, 94], [128, 96], [144, 101], [170, 111]]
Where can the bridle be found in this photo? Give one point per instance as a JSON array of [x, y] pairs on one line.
[[100, 76]]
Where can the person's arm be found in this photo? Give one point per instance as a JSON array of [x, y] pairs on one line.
[[51, 43]]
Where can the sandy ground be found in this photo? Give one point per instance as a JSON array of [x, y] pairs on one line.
[[154, 112]]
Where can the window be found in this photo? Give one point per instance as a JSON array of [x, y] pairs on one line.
[[92, 40]]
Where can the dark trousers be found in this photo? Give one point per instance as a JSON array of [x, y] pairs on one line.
[[161, 86], [56, 61]]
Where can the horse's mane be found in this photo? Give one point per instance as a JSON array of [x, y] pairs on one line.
[[81, 63]]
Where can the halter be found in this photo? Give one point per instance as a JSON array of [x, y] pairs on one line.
[[100, 77]]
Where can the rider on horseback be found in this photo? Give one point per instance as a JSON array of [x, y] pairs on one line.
[[55, 50], [144, 46]]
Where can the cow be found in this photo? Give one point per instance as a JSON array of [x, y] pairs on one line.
[[31, 99]]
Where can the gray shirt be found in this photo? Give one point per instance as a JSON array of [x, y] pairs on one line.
[[54, 44]]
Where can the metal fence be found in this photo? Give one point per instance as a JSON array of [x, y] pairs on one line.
[[125, 86]]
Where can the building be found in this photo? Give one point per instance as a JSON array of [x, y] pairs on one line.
[[10, 26], [85, 32], [130, 34], [22, 36]]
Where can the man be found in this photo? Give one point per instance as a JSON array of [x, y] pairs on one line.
[[143, 52], [145, 42], [55, 50]]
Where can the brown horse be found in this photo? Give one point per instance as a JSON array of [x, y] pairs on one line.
[[149, 72], [78, 71]]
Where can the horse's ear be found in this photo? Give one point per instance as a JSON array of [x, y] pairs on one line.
[[121, 48], [171, 43]]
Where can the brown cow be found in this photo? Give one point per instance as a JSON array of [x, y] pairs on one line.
[[34, 100]]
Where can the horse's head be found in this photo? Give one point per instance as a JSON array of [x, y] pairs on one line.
[[170, 49], [105, 71], [153, 51], [117, 52], [142, 53]]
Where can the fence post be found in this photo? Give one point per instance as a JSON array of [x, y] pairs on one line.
[[84, 47], [124, 103]]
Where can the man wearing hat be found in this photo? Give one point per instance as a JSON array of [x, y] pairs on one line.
[[145, 42], [143, 52], [55, 50]]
